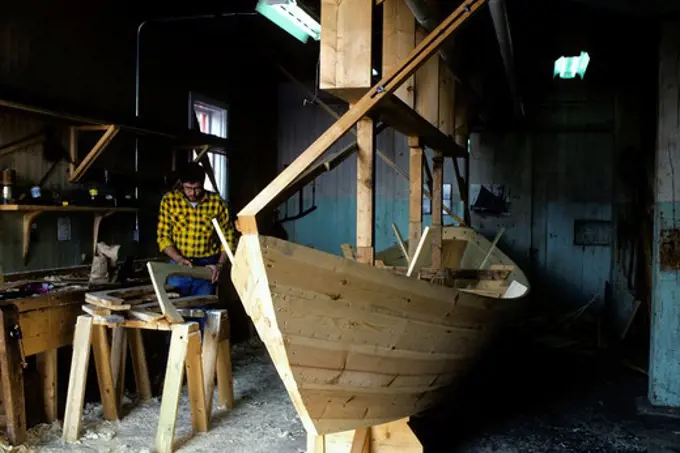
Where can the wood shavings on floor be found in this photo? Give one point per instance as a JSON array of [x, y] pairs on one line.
[[263, 420]]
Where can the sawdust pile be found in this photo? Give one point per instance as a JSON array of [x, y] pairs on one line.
[[263, 420]]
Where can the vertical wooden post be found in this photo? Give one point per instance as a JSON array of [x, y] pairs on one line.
[[437, 207], [365, 194], [461, 137], [415, 192], [75, 398], [398, 38], [12, 377]]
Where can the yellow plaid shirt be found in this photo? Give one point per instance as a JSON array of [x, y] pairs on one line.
[[190, 229]]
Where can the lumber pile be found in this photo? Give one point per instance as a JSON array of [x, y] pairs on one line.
[[131, 306]]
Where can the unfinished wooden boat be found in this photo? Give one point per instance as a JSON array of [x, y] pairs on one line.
[[359, 346]]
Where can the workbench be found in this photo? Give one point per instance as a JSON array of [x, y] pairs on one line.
[[36, 326]]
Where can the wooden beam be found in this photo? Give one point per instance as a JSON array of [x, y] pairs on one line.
[[437, 205], [427, 85], [400, 116], [94, 153], [345, 67], [415, 192], [398, 39], [447, 103], [387, 85], [21, 144], [365, 195]]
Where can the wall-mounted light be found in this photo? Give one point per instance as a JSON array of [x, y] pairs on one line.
[[290, 17], [569, 67]]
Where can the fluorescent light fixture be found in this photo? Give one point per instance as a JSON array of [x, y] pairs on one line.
[[290, 17], [569, 67]]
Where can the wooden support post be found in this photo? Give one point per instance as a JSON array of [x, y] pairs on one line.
[[461, 137], [427, 85], [398, 40], [437, 208], [76, 383], [216, 333], [387, 438], [47, 370], [346, 53], [415, 206], [12, 376], [365, 194]]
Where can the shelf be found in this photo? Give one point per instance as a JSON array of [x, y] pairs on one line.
[[31, 213], [49, 208]]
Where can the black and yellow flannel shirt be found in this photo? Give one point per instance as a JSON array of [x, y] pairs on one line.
[[190, 229]]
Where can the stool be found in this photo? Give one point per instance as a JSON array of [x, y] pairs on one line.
[[202, 365]]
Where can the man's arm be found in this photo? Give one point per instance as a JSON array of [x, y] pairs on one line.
[[164, 233]]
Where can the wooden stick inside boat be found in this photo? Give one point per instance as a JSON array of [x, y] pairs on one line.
[[492, 248], [400, 240], [223, 240]]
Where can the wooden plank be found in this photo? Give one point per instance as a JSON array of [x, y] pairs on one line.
[[95, 310], [12, 377], [102, 360], [46, 363], [345, 65], [159, 273], [427, 85], [387, 85], [172, 386], [48, 328], [195, 383], [415, 196], [400, 241], [437, 187], [94, 153], [418, 258], [492, 247], [77, 379], [464, 274], [146, 316], [139, 365], [365, 183], [398, 39], [400, 116], [361, 441], [447, 102]]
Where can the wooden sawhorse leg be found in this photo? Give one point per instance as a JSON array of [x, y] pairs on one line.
[[217, 359], [389, 437], [185, 351], [12, 376]]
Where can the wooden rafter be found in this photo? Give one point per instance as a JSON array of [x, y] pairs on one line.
[[94, 153], [369, 101]]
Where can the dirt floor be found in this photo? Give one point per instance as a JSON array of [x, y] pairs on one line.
[[539, 402]]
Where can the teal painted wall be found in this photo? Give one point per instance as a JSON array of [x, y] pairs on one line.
[[664, 370]]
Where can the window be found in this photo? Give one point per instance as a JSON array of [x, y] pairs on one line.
[[211, 118]]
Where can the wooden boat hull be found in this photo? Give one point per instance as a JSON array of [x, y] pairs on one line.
[[355, 345]]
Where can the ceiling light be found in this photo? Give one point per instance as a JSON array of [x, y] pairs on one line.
[[290, 17], [569, 67]]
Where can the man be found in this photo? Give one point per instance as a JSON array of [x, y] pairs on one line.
[[186, 234]]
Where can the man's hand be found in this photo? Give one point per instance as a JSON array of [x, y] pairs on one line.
[[184, 262], [215, 268]]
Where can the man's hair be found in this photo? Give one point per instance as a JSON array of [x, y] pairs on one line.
[[192, 172]]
